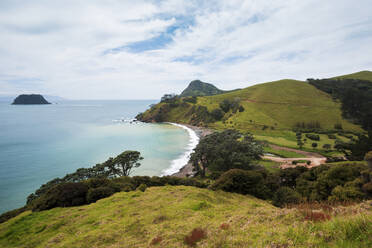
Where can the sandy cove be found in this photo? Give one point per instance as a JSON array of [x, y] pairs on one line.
[[187, 170]]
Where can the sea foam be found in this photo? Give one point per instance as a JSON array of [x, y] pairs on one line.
[[182, 160]]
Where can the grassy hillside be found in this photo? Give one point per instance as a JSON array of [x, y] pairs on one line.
[[278, 105], [362, 75], [164, 216]]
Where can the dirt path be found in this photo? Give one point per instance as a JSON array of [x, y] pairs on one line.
[[315, 158], [306, 154]]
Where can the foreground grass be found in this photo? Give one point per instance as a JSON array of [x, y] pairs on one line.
[[163, 216]]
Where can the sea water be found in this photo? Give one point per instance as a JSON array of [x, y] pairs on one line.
[[42, 142]]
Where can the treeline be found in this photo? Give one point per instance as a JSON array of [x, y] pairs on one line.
[[355, 96]]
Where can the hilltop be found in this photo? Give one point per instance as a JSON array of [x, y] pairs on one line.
[[199, 88], [164, 216]]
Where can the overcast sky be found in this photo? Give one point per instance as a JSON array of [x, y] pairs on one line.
[[138, 49]]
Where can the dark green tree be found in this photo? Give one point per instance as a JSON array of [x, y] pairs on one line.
[[123, 164], [222, 151]]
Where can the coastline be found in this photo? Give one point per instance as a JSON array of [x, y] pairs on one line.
[[187, 169]]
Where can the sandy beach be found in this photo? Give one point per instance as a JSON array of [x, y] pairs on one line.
[[187, 170]]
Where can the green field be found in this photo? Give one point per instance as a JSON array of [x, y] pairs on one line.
[[164, 216]]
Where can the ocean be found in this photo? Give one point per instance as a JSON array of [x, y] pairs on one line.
[[42, 142]]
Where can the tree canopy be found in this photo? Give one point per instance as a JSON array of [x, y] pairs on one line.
[[225, 150]]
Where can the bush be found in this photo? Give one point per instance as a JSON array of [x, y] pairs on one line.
[[327, 146], [313, 136], [314, 145], [331, 136], [242, 182], [94, 194], [142, 187], [62, 195], [286, 195], [338, 126], [368, 158], [367, 188], [217, 114], [241, 108], [345, 194]]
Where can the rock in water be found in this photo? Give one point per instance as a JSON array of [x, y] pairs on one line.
[[30, 99]]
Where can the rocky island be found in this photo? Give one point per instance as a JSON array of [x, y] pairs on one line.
[[30, 99]]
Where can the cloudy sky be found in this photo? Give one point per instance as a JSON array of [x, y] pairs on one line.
[[118, 49]]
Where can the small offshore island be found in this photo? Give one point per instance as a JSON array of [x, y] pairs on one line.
[[30, 99]]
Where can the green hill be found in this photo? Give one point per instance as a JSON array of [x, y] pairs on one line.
[[199, 88], [362, 75], [279, 105], [164, 216]]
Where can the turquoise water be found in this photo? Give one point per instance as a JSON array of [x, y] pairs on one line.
[[41, 142]]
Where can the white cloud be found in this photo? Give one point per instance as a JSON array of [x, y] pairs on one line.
[[62, 47]]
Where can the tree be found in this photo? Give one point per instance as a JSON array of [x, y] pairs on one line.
[[217, 114], [327, 146], [222, 151], [123, 164], [314, 145]]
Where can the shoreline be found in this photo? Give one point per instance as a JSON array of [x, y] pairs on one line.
[[187, 169]]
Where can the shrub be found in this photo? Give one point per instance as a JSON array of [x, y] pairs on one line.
[[195, 236], [191, 99], [217, 114], [62, 195], [331, 136], [313, 136], [286, 195], [368, 158], [345, 194], [338, 126], [241, 108], [142, 187], [367, 188], [94, 194], [242, 182], [314, 145], [327, 146]]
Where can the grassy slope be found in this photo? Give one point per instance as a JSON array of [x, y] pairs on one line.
[[363, 75], [281, 104], [278, 105], [134, 219]]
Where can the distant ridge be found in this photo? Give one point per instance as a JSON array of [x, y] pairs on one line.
[[199, 88], [30, 99]]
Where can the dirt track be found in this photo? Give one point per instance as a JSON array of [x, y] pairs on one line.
[[315, 158]]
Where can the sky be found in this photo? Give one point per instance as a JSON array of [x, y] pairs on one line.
[[124, 49]]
